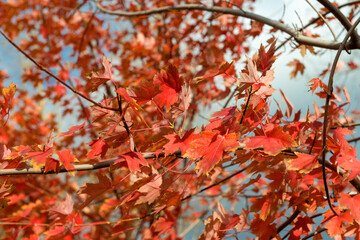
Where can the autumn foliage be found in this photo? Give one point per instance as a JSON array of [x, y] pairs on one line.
[[103, 137]]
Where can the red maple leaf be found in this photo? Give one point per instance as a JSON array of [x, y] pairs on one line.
[[170, 86], [297, 67], [211, 147], [222, 69], [304, 163], [94, 190], [62, 210], [99, 77], [52, 165], [133, 160], [315, 83], [345, 153], [144, 92], [99, 147], [66, 158], [290, 106], [131, 101], [8, 94], [266, 59], [334, 226], [151, 190], [183, 104], [4, 192], [250, 77], [38, 159], [273, 142], [353, 203], [71, 130], [175, 142]]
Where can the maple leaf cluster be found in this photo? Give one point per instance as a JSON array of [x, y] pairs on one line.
[[108, 143]]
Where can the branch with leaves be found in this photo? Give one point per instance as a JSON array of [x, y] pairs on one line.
[[180, 127]]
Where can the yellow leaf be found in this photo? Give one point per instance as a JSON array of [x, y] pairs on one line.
[[10, 91]]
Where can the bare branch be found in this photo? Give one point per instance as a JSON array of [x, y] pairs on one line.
[[42, 68], [236, 12], [341, 17]]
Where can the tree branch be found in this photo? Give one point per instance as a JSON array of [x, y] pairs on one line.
[[327, 103], [77, 168], [341, 17], [236, 12], [317, 19], [104, 164], [289, 220], [42, 68], [348, 125], [314, 233]]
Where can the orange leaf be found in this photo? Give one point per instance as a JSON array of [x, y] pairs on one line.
[[100, 77], [99, 147], [353, 203], [133, 160], [297, 67], [170, 86], [304, 163], [66, 158], [94, 190], [71, 131], [274, 142], [211, 147]]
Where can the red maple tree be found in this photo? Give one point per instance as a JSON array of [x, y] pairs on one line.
[[123, 156]]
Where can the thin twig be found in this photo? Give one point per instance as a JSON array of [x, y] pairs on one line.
[[328, 96], [215, 184], [353, 140], [348, 125], [322, 17], [126, 126], [302, 25], [313, 143], [289, 220], [42, 68], [246, 105], [314, 233], [229, 99]]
